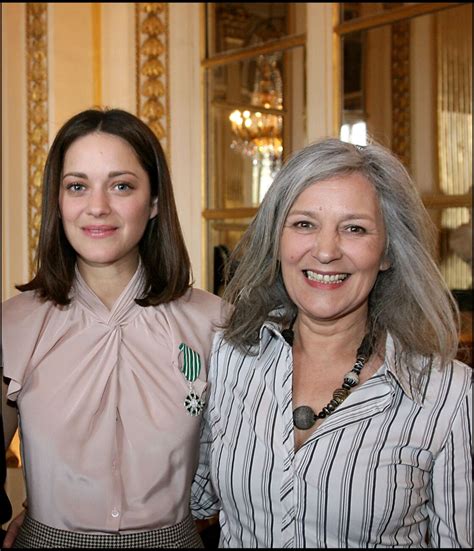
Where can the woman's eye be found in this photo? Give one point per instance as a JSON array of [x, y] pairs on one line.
[[303, 224], [122, 186], [75, 186], [356, 229]]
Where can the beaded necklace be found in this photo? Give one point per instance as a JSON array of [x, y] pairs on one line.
[[304, 417]]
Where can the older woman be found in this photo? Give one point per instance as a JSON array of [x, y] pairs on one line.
[[338, 415]]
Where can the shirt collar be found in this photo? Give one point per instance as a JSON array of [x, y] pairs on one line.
[[393, 358], [270, 330], [125, 305]]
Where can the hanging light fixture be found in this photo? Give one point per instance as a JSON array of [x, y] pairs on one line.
[[258, 129]]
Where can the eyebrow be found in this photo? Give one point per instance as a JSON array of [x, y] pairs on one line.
[[113, 174], [347, 216]]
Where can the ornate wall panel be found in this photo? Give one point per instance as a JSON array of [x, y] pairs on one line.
[[37, 116], [400, 53], [152, 35]]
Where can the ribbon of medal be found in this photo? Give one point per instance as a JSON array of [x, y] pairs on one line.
[[193, 403]]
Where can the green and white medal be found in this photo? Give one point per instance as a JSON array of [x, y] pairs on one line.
[[193, 403]]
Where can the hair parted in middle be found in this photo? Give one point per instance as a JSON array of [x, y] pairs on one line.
[[162, 249], [410, 299]]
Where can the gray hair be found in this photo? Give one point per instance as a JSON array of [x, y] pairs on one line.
[[410, 300]]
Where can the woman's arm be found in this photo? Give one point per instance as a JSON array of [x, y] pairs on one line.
[[450, 508], [9, 414]]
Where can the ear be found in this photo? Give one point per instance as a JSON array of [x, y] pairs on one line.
[[385, 264], [154, 208]]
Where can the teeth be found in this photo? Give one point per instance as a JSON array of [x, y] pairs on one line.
[[326, 278]]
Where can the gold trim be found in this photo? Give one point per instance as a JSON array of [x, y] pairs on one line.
[[246, 53], [337, 71], [441, 201], [96, 52], [221, 214], [152, 68], [37, 117], [401, 108], [393, 16]]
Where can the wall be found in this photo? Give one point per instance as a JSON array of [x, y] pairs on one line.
[[91, 61]]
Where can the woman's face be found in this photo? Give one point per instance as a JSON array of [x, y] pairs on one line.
[[332, 248], [104, 200]]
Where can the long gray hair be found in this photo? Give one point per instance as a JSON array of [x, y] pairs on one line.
[[410, 300]]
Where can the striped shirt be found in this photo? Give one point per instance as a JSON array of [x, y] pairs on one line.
[[384, 470]]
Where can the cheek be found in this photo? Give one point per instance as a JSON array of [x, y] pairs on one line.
[[137, 217], [291, 249], [68, 211], [367, 257]]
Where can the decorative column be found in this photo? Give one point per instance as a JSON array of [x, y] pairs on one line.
[[152, 35], [401, 91], [37, 117]]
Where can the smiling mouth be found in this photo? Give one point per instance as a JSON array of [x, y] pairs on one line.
[[325, 278], [99, 231]]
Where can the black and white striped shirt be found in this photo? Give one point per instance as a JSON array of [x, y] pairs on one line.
[[384, 470]]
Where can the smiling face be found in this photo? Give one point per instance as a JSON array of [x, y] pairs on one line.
[[104, 200], [332, 248]]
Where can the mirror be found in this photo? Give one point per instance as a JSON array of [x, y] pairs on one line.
[[408, 85]]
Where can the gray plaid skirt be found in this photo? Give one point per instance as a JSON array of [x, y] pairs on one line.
[[34, 534]]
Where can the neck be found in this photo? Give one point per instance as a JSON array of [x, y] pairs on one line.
[[343, 335], [107, 282]]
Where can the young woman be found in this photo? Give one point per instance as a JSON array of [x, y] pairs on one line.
[[105, 349]]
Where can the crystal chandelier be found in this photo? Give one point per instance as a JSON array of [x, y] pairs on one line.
[[258, 129]]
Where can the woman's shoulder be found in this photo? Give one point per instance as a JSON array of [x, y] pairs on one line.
[[462, 373], [23, 305], [201, 304], [450, 383]]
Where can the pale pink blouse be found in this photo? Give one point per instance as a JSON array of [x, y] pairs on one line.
[[107, 442]]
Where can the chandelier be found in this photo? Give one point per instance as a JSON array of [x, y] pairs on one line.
[[257, 130]]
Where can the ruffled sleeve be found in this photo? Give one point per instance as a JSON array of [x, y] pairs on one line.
[[23, 320]]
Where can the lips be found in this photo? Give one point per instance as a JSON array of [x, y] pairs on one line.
[[326, 279], [99, 231]]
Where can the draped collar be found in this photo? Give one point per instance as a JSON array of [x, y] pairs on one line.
[[124, 307]]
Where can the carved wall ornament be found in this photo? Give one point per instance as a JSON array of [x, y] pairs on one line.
[[37, 117], [401, 91], [152, 37]]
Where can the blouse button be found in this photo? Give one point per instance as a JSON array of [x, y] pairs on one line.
[[115, 513]]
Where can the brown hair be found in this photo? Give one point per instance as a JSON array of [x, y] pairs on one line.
[[162, 249]]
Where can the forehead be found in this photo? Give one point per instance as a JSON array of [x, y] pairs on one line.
[[342, 191], [99, 144]]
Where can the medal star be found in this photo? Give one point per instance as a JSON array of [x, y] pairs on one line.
[[193, 404]]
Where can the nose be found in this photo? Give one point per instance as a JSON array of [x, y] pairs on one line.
[[326, 246], [98, 204]]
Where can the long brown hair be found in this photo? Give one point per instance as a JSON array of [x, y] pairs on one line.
[[162, 249]]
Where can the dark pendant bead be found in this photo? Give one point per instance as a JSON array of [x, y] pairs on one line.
[[303, 417]]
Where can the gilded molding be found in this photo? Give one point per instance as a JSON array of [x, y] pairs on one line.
[[401, 91], [37, 117], [152, 73]]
